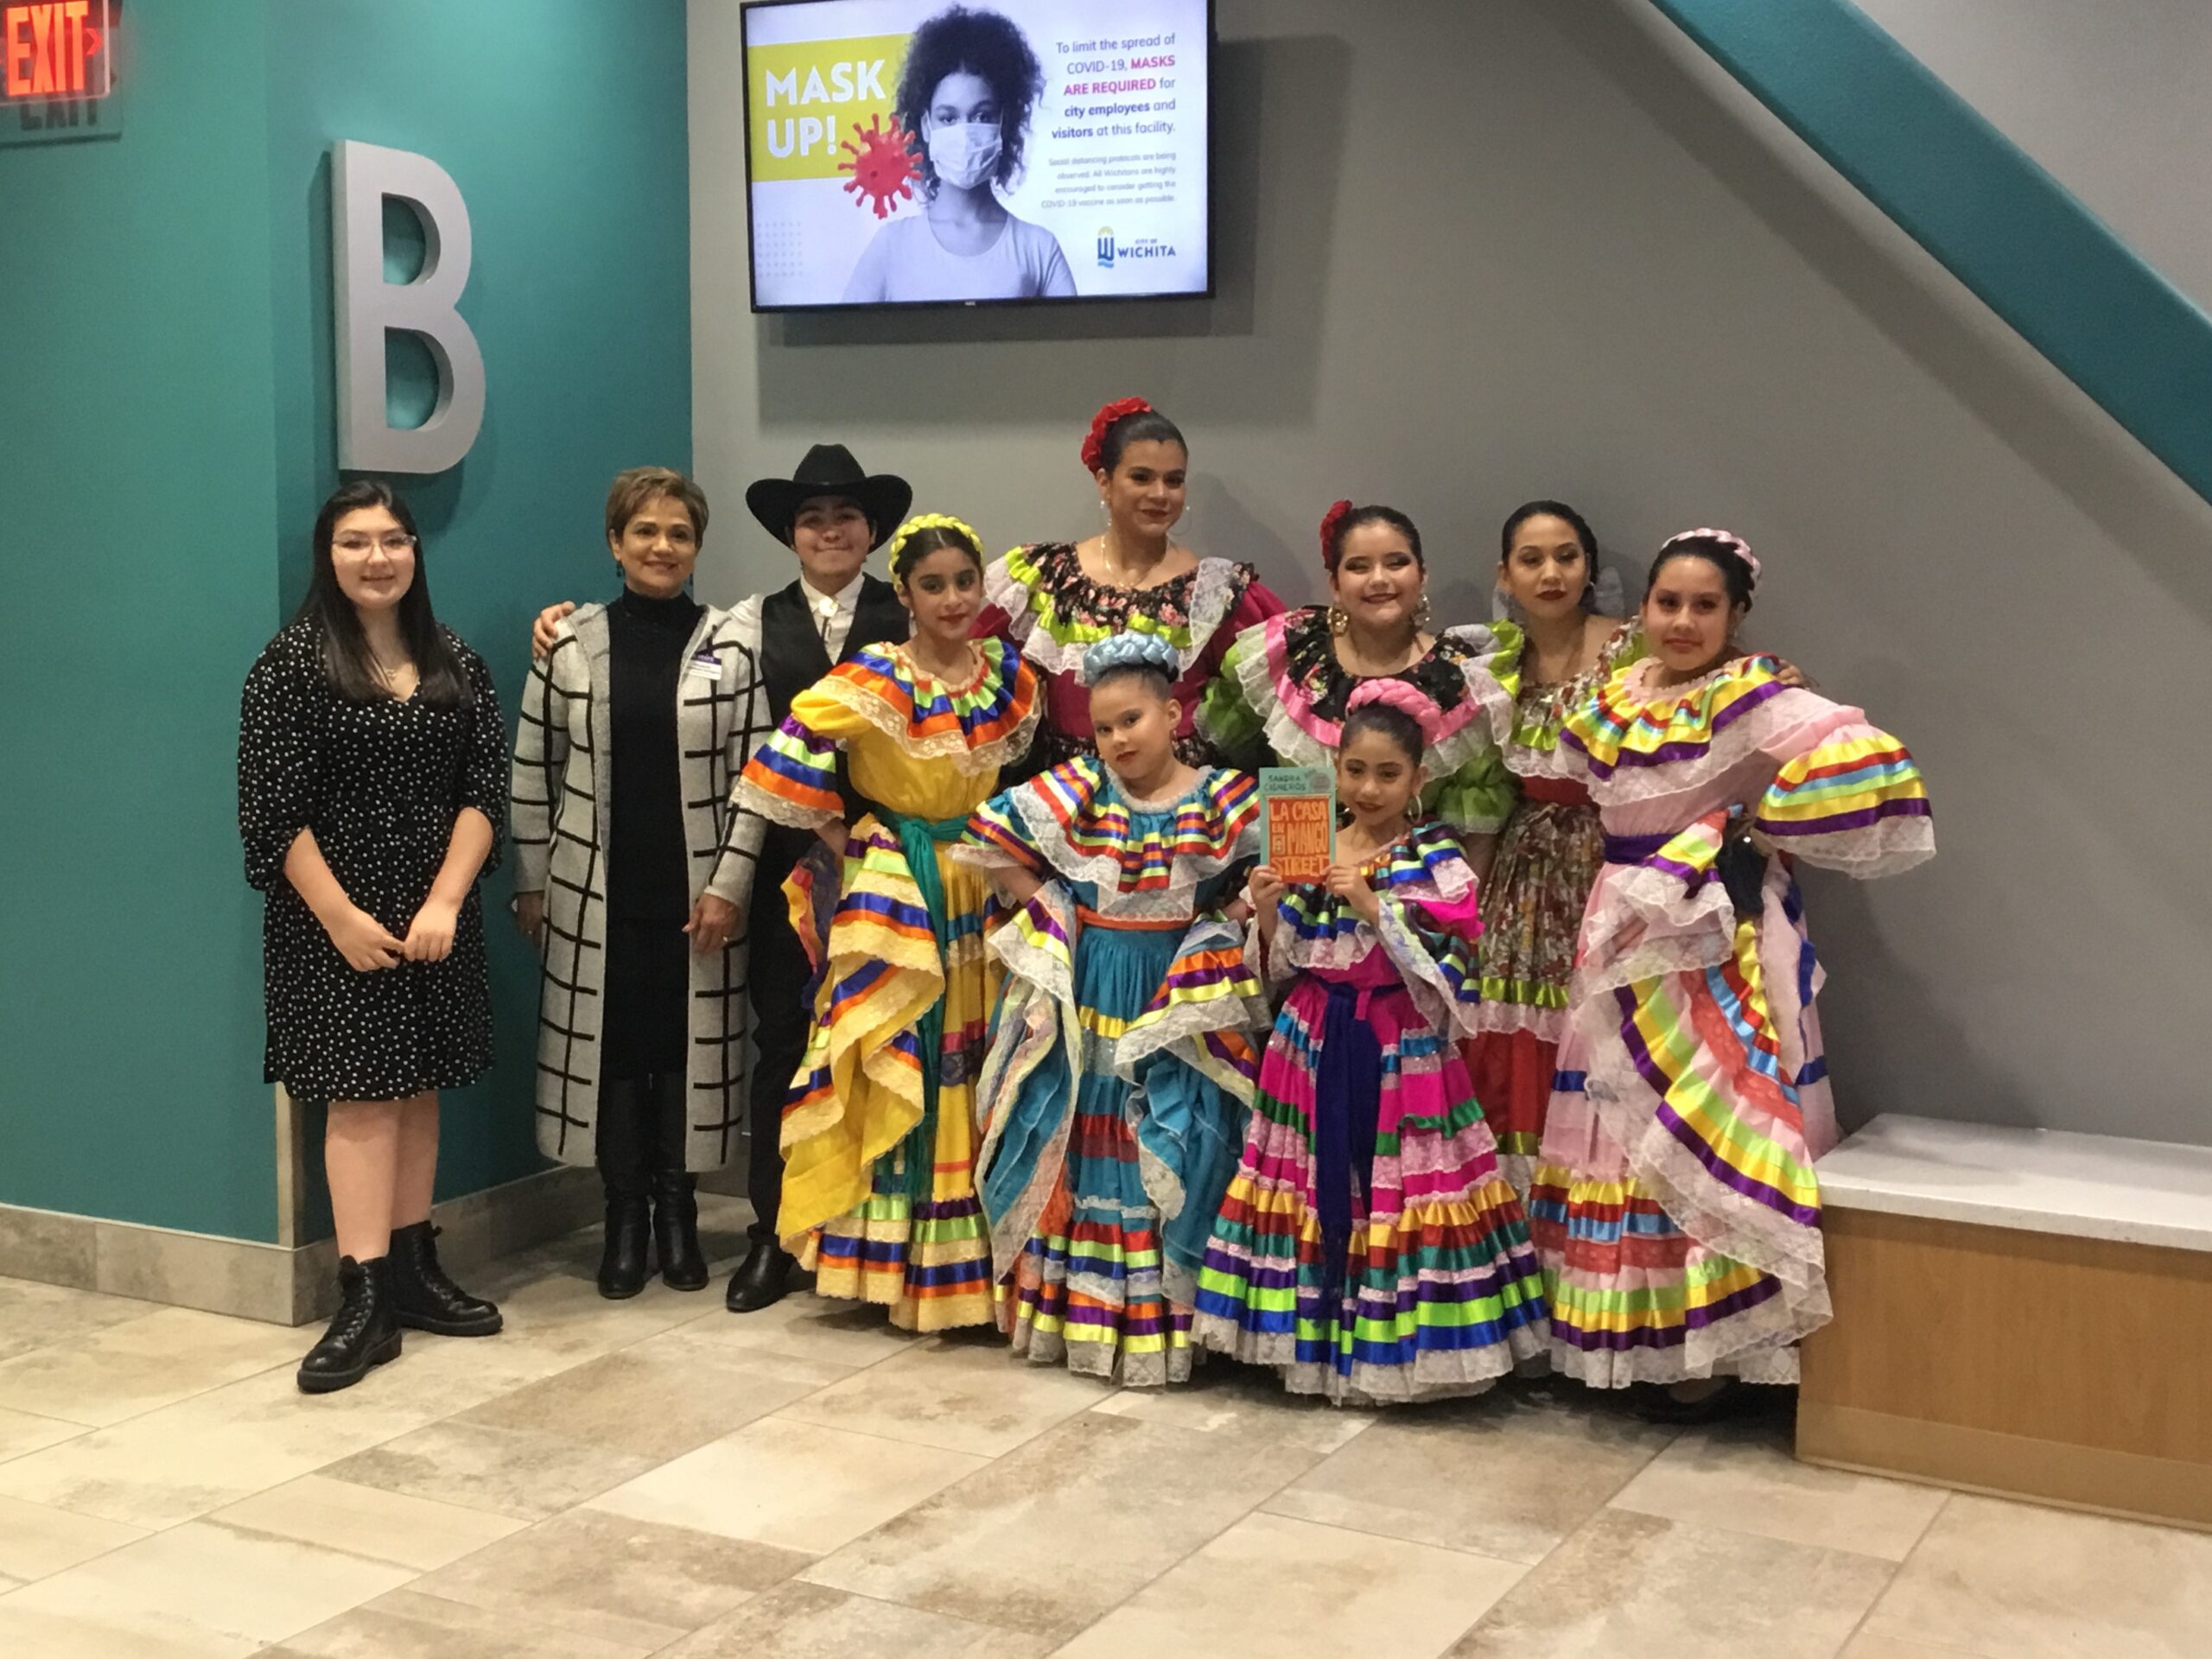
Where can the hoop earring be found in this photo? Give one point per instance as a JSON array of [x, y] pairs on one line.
[[1340, 620]]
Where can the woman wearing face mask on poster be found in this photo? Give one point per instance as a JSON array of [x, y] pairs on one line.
[[969, 82]]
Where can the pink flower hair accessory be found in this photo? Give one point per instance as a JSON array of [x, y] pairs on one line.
[[1332, 522], [1727, 538], [1403, 695], [1094, 442]]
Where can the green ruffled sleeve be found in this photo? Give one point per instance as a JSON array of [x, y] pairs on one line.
[[1225, 719], [1475, 799]]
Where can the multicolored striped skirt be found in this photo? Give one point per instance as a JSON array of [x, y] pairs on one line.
[[879, 1130], [1369, 1247]]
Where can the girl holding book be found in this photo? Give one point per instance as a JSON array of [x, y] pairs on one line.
[[1675, 1203], [1118, 1072], [878, 1129], [1368, 1248]]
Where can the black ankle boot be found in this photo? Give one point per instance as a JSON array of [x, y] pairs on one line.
[[676, 1200], [623, 1262], [426, 1298], [763, 1278], [676, 1231], [363, 1334]]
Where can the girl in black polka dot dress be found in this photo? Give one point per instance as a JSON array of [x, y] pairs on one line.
[[371, 795]]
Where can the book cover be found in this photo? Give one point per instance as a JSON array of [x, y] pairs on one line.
[[1298, 807]]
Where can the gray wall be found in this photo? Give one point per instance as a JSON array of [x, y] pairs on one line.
[[1477, 252], [2113, 100]]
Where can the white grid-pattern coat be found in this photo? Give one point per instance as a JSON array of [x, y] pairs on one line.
[[561, 811]]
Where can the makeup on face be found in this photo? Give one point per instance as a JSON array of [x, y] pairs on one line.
[[659, 548], [1687, 616], [373, 558]]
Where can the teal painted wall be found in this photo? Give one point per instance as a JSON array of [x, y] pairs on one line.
[[136, 438], [564, 123], [165, 360]]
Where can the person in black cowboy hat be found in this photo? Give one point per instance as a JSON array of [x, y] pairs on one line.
[[832, 513]]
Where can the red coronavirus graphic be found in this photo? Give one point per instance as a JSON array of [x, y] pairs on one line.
[[884, 162]]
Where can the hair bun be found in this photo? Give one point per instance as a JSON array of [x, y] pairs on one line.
[[1129, 651], [1094, 442], [1402, 695]]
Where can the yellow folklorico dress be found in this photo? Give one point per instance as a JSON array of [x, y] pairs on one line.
[[879, 1127]]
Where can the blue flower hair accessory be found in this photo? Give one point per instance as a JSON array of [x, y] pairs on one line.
[[1129, 651]]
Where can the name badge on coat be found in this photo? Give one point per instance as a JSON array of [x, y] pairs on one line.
[[706, 665]]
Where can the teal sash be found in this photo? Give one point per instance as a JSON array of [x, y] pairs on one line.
[[918, 839]]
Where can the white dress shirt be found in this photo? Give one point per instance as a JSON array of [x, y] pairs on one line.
[[832, 613]]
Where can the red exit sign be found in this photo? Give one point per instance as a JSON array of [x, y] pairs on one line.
[[57, 49]]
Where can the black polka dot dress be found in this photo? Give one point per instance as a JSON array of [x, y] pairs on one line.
[[380, 784]]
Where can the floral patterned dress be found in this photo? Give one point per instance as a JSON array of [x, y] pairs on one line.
[[1547, 861], [1039, 599]]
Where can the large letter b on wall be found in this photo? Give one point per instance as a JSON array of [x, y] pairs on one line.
[[368, 308]]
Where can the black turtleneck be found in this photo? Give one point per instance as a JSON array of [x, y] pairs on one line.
[[648, 877]]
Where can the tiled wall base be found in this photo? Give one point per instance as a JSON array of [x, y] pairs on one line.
[[270, 1281]]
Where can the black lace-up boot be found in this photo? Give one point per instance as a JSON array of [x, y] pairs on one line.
[[425, 1297], [364, 1334]]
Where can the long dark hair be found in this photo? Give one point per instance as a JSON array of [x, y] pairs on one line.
[[346, 664]]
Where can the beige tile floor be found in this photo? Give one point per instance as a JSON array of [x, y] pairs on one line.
[[657, 1477]]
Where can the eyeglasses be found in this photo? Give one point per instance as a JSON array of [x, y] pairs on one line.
[[397, 542]]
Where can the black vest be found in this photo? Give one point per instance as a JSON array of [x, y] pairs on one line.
[[792, 658], [791, 653]]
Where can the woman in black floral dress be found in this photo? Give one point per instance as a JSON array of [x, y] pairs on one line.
[[1056, 600], [371, 795]]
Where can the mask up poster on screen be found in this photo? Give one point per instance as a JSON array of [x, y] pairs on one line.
[[915, 152]]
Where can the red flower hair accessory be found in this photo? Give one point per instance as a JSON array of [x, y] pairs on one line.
[[1094, 442], [1403, 695], [1332, 522]]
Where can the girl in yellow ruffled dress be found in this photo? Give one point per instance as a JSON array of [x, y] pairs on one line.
[[886, 758]]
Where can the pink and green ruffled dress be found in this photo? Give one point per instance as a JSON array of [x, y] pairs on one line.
[[1281, 696]]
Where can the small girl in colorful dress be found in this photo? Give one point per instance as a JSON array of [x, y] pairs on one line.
[[1675, 1202], [1119, 1072], [879, 1129], [1369, 1247]]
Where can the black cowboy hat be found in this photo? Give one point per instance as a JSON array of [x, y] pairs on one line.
[[829, 469]]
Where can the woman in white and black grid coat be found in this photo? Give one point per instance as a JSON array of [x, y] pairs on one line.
[[634, 725]]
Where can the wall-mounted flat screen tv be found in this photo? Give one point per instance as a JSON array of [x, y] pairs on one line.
[[916, 152]]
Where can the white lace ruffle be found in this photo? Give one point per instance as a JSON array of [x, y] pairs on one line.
[[1716, 1216], [1495, 724], [1502, 1019], [1784, 724], [1424, 979], [750, 798], [1027, 960], [1887, 847], [1187, 1023], [951, 746], [1103, 870], [1214, 593], [1289, 743]]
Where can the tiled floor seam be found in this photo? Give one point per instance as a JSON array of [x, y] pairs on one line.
[[1875, 1605]]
